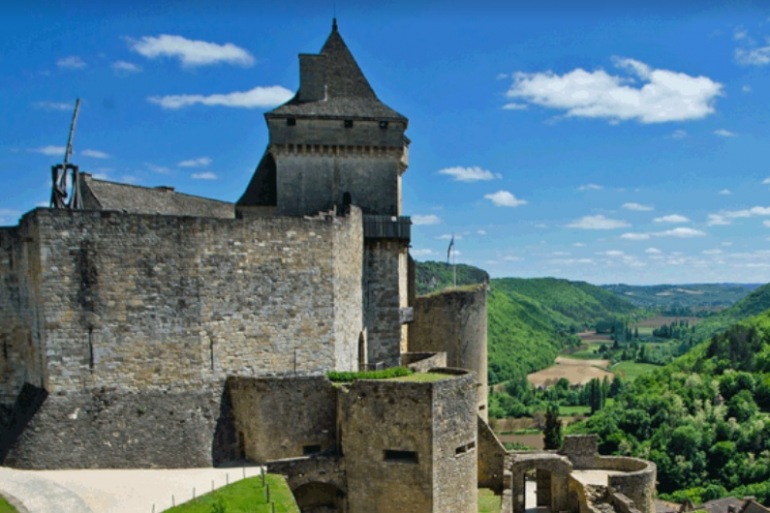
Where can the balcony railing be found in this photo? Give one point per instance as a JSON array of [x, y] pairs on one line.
[[387, 227]]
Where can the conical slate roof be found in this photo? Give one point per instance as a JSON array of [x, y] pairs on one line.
[[348, 93]]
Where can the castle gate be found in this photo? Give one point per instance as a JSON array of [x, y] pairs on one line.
[[552, 474]]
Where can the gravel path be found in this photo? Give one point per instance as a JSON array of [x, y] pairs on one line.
[[112, 491]]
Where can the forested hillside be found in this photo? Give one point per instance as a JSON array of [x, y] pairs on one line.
[[688, 299], [530, 320], [704, 419]]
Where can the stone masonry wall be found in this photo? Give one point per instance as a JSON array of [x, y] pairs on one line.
[[278, 418], [380, 416], [20, 354], [143, 302], [118, 429], [348, 292], [385, 293], [455, 321], [455, 445]]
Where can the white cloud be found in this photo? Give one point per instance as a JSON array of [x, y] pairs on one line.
[[512, 258], [679, 134], [673, 218], [638, 207], [681, 233], [422, 252], [726, 217], [254, 98], [206, 175], [191, 52], [53, 105], [753, 56], [124, 68], [49, 150], [614, 253], [766, 223], [746, 89], [429, 219], [724, 133], [590, 187], [449, 236], [515, 106], [766, 181], [598, 222], [71, 62], [635, 236], [95, 154], [712, 251], [481, 232], [663, 96], [469, 174], [653, 251], [725, 192], [199, 162], [505, 199]]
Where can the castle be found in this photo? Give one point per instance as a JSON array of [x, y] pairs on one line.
[[151, 328]]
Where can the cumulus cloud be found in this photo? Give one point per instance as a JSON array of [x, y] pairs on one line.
[[758, 56], [505, 199], [199, 162], [724, 133], [71, 62], [653, 251], [469, 174], [766, 223], [450, 236], [206, 175], [95, 154], [53, 105], [725, 192], [635, 236], [259, 97], [726, 217], [598, 222], [124, 68], [640, 93], [679, 134], [590, 187], [429, 219], [190, 52], [673, 218], [638, 207]]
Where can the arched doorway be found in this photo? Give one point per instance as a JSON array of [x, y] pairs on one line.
[[551, 473], [316, 497]]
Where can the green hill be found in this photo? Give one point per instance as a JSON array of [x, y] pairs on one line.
[[683, 299], [705, 418], [756, 302], [530, 320]]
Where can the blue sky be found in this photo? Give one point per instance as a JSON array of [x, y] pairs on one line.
[[593, 142]]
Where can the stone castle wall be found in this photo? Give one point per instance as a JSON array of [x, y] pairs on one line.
[[144, 302], [385, 294], [455, 321], [284, 417]]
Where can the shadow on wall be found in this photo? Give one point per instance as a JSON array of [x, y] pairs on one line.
[[14, 421], [227, 445]]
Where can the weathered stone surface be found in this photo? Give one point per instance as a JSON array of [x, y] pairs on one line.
[[455, 321]]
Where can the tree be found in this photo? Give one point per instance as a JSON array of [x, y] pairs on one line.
[[552, 436]]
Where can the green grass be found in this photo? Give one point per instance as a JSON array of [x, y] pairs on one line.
[[572, 411], [587, 353], [632, 370], [345, 377], [488, 501], [424, 377], [244, 496], [5, 507]]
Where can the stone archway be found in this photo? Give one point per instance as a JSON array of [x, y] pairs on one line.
[[318, 497], [552, 473]]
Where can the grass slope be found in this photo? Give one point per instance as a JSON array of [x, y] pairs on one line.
[[703, 296], [755, 303], [244, 496], [432, 276]]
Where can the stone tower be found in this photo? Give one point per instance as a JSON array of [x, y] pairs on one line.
[[332, 145]]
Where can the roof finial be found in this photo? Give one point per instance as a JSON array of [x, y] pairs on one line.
[[334, 24]]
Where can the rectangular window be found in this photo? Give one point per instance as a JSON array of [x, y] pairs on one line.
[[465, 448], [311, 449], [383, 125], [291, 121], [348, 123], [401, 456]]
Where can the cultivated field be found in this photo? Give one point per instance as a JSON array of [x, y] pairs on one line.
[[578, 372]]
